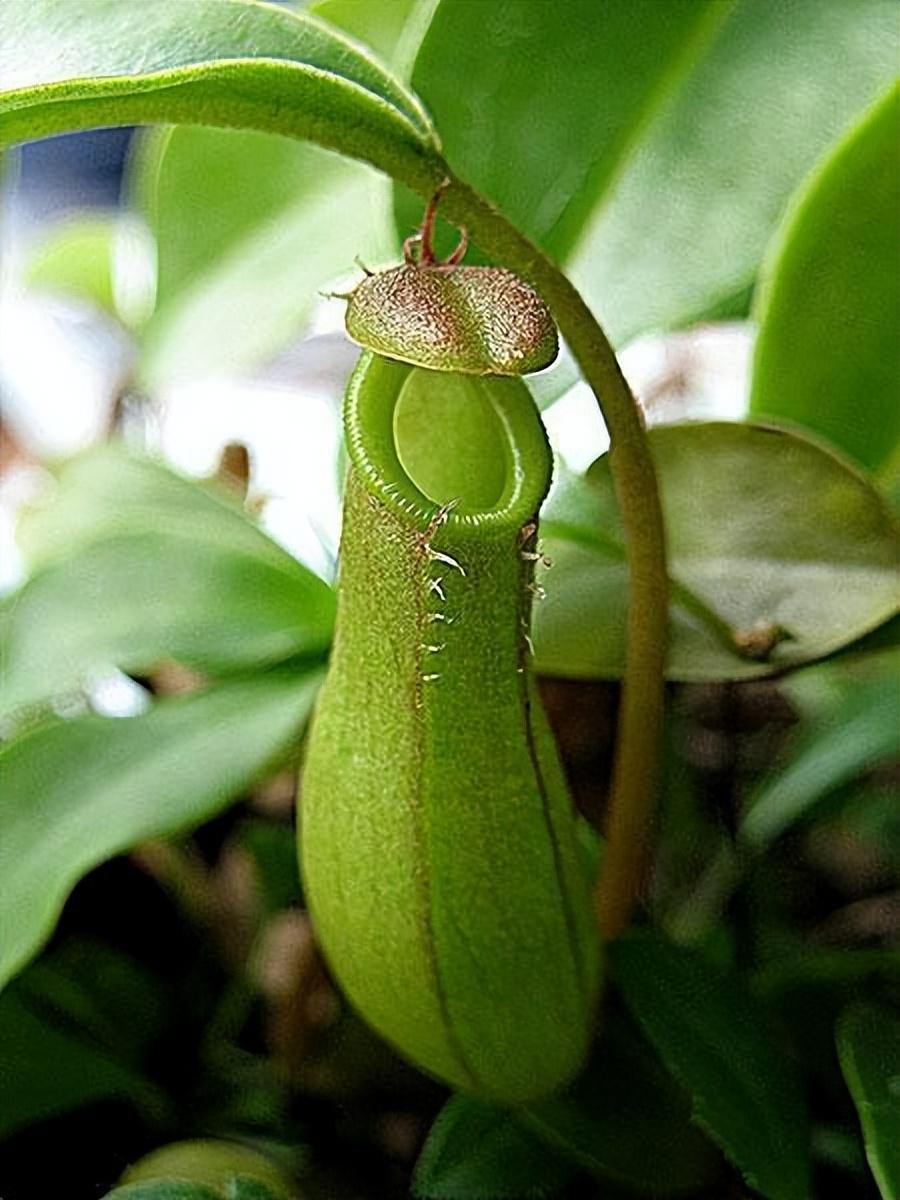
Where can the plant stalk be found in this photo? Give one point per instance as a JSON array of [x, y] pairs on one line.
[[636, 768]]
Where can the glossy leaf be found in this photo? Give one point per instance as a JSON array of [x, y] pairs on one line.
[[68, 65], [111, 491], [137, 565], [76, 259], [233, 1171], [826, 356], [476, 1151], [858, 730], [163, 1189], [113, 998], [253, 1189], [52, 1066], [249, 229], [247, 223], [551, 385], [104, 259], [763, 527], [272, 848], [601, 72], [78, 792], [716, 1044], [623, 1103], [827, 970], [868, 1039], [392, 29], [807, 989], [707, 182]]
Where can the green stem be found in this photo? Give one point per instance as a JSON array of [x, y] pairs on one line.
[[635, 773]]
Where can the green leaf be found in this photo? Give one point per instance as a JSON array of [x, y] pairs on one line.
[[766, 530], [807, 989], [716, 1044], [868, 1039], [477, 1151], [600, 71], [856, 731], [252, 1189], [626, 1119], [830, 306], [273, 850], [78, 792], [74, 64], [546, 387], [247, 223], [230, 1169], [76, 259], [50, 1065], [393, 29], [115, 1000], [249, 229], [817, 971], [104, 259], [686, 226], [889, 480], [137, 565], [111, 491], [75, 1028]]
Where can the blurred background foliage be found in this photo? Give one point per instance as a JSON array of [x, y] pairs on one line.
[[720, 179]]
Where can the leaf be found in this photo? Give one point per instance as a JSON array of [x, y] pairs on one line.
[[76, 259], [600, 74], [625, 1119], [249, 229], [715, 1042], [694, 206], [251, 223], [868, 1038], [75, 1028], [393, 29], [830, 303], [230, 1169], [806, 990], [552, 384], [51, 1066], [272, 848], [105, 260], [671, 135], [819, 970], [74, 64], [766, 530], [248, 223], [111, 491], [115, 1000], [137, 565], [252, 1189], [858, 730], [78, 792], [477, 1151]]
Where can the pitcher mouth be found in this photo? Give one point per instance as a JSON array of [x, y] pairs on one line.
[[427, 442]]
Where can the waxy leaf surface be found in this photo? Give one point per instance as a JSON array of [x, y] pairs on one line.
[[136, 565], [716, 1043], [826, 356], [763, 527], [78, 792]]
